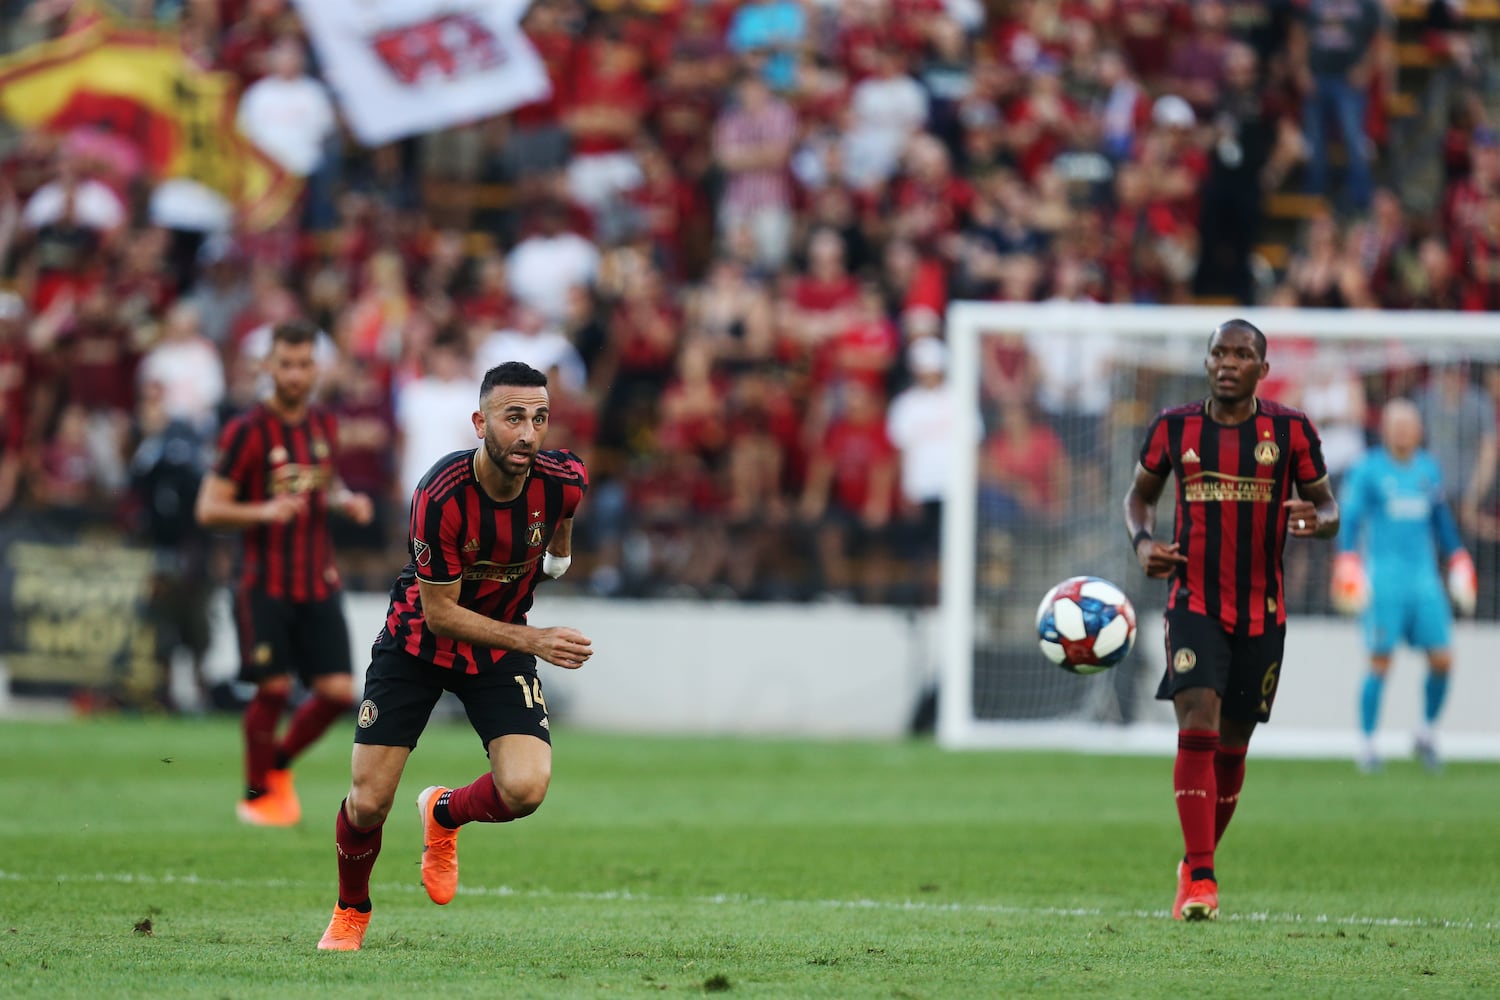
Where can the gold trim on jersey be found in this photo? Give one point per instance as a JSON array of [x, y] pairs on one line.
[[499, 572], [1219, 487]]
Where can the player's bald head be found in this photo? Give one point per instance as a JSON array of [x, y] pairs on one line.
[[1401, 427], [1240, 326]]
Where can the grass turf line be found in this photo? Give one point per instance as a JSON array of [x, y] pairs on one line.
[[753, 868]]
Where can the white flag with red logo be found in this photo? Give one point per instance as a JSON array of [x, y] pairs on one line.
[[402, 67]]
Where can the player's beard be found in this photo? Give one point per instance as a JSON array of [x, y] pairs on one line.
[[289, 399], [497, 456]]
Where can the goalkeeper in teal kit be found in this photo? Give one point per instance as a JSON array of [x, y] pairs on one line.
[[1399, 548]]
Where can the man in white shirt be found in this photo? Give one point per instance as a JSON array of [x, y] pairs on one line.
[[287, 114], [186, 365], [546, 265], [432, 414], [921, 422], [530, 338]]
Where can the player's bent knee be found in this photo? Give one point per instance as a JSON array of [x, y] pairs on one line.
[[523, 794], [367, 806]]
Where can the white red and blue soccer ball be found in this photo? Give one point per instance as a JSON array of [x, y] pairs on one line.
[[1085, 625]]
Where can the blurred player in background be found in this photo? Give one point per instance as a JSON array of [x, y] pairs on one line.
[[274, 479], [486, 524], [1396, 514], [1237, 460]]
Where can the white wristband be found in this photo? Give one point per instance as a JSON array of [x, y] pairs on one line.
[[555, 566]]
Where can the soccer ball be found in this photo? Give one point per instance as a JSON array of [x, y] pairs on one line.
[[1085, 625]]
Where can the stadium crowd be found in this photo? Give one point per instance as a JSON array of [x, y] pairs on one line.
[[730, 235]]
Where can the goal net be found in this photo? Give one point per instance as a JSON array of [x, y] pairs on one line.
[[1065, 391]]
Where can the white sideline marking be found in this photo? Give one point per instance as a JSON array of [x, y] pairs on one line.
[[730, 899]]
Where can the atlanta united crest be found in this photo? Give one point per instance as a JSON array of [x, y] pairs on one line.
[[1184, 661], [1266, 452], [368, 713], [534, 533]]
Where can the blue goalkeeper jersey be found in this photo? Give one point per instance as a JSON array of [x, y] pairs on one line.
[[1395, 513]]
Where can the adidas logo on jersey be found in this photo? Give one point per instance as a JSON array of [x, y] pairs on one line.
[[1189, 456]]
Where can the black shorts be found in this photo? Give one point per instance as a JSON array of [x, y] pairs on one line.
[[401, 689], [277, 636], [1244, 670]]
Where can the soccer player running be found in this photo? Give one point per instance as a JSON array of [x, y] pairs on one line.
[[485, 525], [275, 480], [1237, 461], [1394, 510]]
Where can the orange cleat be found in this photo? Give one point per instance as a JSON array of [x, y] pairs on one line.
[[1202, 901], [279, 787], [1184, 881], [439, 849], [346, 931], [265, 810]]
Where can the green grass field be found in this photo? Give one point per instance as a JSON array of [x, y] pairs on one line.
[[749, 868]]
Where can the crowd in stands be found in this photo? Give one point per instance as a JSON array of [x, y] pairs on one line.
[[730, 236]]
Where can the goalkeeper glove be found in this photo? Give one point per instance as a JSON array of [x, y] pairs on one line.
[[555, 566], [1463, 583], [1348, 589]]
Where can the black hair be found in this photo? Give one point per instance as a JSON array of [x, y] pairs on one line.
[[294, 331], [1246, 326], [510, 373]]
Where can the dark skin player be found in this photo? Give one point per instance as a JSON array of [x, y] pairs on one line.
[[1236, 364]]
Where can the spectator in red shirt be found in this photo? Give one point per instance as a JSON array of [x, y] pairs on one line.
[[14, 365], [606, 105], [822, 302], [1196, 67], [1463, 202], [849, 497]]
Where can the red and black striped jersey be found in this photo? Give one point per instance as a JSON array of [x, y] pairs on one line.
[[458, 533], [1231, 483], [264, 456]]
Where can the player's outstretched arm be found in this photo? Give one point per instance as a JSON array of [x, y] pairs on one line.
[[1156, 558], [217, 507], [564, 647]]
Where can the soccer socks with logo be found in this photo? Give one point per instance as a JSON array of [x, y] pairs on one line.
[[1197, 797], [476, 802], [1229, 778], [311, 720], [259, 724], [1369, 703], [1434, 693], [357, 851]]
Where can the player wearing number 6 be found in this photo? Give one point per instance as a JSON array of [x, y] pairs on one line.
[[1237, 461], [485, 526], [1396, 515]]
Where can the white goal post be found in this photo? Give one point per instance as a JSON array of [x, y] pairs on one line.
[[996, 564]]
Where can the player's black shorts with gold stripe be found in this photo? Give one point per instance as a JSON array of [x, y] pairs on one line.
[[1244, 670], [401, 689], [278, 637]]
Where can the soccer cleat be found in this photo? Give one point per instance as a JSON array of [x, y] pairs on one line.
[[1369, 762], [1184, 881], [1428, 755], [1202, 901], [346, 931], [279, 787], [264, 810], [439, 849]]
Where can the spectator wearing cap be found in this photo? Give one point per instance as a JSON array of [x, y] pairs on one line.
[[921, 422], [1332, 51]]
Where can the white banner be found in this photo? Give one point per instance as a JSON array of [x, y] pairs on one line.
[[402, 67]]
